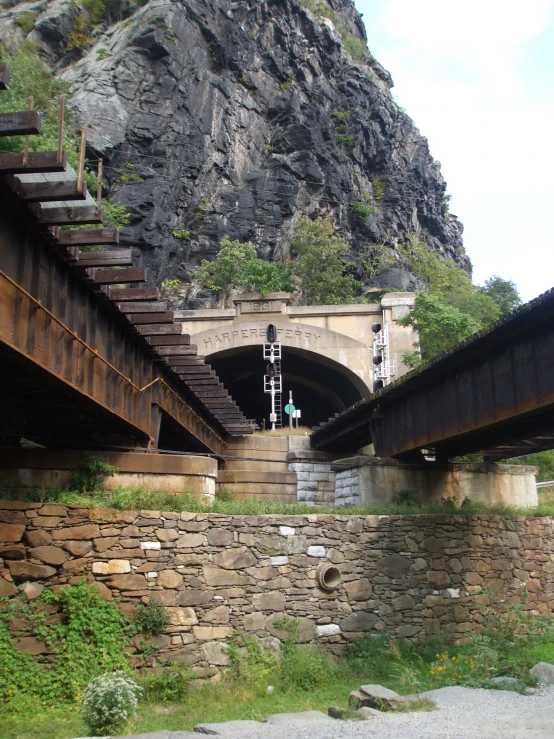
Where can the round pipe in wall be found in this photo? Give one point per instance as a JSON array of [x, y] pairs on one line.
[[327, 576]]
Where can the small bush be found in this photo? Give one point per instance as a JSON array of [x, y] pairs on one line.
[[378, 189], [301, 667], [109, 701], [345, 140], [249, 663], [225, 496], [25, 21], [90, 474], [182, 234], [170, 684], [361, 210], [151, 618], [405, 498]]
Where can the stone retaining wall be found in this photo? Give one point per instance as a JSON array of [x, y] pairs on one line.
[[217, 574]]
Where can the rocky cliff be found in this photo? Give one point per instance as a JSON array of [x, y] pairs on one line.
[[238, 118]]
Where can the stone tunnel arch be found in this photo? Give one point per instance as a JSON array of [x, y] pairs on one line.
[[315, 367]]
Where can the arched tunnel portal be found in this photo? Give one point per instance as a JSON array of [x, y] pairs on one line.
[[321, 386]]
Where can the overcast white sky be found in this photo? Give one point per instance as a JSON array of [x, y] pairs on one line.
[[477, 77]]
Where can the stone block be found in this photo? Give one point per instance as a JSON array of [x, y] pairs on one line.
[[543, 672], [51, 509], [112, 567], [220, 537], [38, 538], [193, 597], [31, 645], [217, 615], [87, 531], [26, 570], [181, 616], [167, 534], [215, 576], [129, 582], [327, 630], [11, 532], [358, 589], [208, 633], [402, 603], [438, 579], [273, 601], [78, 548], [169, 579], [32, 590], [359, 621], [51, 555], [253, 621], [150, 545], [7, 589], [105, 543], [235, 559], [316, 551], [189, 541], [215, 653]]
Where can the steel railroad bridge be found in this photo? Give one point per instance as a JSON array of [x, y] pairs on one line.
[[492, 396], [88, 357]]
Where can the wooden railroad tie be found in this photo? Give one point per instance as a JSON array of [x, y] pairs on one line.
[[24, 123]]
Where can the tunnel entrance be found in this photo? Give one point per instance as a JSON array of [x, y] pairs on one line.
[[321, 387]]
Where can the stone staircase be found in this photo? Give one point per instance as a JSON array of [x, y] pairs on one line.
[[261, 469]]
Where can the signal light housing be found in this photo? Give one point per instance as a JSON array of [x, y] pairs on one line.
[[376, 327], [270, 369], [378, 359], [271, 334], [378, 385]]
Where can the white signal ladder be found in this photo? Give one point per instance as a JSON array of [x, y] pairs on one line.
[[387, 369], [274, 385]]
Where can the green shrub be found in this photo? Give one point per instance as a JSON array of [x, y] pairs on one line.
[[181, 234], [361, 210], [89, 476], [378, 189], [249, 663], [151, 618], [25, 21], [405, 498], [109, 701], [168, 684], [302, 667], [345, 140]]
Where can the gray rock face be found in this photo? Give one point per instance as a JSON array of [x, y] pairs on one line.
[[240, 118]]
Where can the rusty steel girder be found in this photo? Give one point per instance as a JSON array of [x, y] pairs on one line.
[[56, 331], [494, 395]]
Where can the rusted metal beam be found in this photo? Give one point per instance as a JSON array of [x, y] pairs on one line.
[[155, 329], [147, 318], [158, 306], [127, 294], [169, 340], [182, 350], [37, 162], [20, 124], [4, 77], [68, 215], [87, 237], [118, 276], [116, 258], [47, 192]]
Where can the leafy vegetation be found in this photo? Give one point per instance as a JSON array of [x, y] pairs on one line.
[[30, 78], [151, 618], [89, 476], [90, 639], [353, 45], [454, 308], [361, 210], [238, 266], [109, 702], [25, 21], [318, 264], [182, 234]]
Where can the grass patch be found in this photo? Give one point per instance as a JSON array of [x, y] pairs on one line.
[[417, 705], [141, 498]]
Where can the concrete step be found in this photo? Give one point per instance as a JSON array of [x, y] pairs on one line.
[[274, 455], [267, 491], [257, 476], [260, 443], [246, 464]]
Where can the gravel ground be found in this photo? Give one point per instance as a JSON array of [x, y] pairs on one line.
[[463, 713]]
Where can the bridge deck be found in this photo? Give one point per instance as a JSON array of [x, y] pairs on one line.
[[493, 395]]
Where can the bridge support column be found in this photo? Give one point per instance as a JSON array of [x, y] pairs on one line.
[[373, 481]]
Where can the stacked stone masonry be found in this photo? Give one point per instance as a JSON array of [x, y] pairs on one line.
[[315, 482], [347, 488], [217, 574]]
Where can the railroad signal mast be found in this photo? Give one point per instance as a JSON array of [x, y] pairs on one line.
[[273, 382], [384, 368]]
